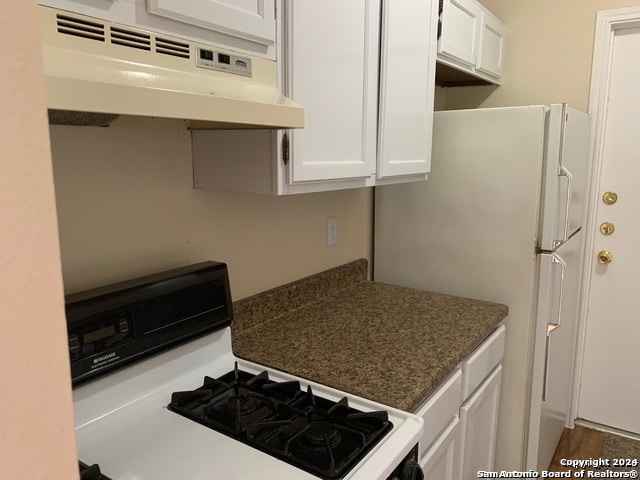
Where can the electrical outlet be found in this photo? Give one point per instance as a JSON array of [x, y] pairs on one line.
[[332, 231]]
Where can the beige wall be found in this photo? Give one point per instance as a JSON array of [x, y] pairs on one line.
[[126, 207], [549, 48], [36, 425], [439, 101]]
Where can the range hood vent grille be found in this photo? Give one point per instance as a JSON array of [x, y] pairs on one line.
[[80, 28], [94, 30], [130, 38], [171, 47]]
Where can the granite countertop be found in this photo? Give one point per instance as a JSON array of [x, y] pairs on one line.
[[391, 344]]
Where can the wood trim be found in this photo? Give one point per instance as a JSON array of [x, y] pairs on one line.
[[606, 429], [607, 23]]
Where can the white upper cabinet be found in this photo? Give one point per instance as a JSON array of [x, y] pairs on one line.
[[459, 33], [407, 76], [491, 54], [366, 122], [471, 42], [252, 20], [332, 73]]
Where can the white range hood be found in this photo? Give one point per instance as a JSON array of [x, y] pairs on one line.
[[94, 67]]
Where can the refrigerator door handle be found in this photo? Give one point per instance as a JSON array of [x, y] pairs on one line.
[[555, 259], [567, 174]]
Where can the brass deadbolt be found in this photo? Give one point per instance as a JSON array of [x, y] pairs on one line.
[[610, 198], [607, 228], [605, 256]]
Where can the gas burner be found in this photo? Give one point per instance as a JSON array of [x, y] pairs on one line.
[[241, 404], [318, 435]]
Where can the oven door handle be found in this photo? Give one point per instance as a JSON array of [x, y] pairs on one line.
[[410, 470]]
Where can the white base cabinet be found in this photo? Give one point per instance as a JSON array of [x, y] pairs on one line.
[[479, 419], [442, 460], [461, 417], [367, 87]]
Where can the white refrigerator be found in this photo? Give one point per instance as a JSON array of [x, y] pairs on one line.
[[500, 219]]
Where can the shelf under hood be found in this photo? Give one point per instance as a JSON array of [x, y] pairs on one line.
[[94, 67]]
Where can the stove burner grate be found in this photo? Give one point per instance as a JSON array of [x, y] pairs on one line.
[[321, 436], [91, 472], [318, 435]]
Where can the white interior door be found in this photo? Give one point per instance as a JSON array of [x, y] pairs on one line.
[[610, 391]]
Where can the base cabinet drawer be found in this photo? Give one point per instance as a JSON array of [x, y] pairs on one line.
[[482, 362], [441, 461]]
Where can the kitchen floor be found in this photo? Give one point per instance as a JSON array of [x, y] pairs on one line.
[[581, 443]]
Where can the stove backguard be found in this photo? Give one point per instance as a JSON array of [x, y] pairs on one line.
[[116, 324]]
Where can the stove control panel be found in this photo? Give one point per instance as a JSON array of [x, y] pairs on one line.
[[99, 335], [112, 325]]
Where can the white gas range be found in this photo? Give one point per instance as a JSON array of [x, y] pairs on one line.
[[194, 411]]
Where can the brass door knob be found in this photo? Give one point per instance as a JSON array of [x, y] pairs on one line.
[[605, 256], [610, 198], [607, 228]]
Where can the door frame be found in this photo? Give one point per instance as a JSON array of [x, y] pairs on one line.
[[608, 22]]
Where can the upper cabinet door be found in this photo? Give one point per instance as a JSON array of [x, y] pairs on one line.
[[407, 76], [331, 65], [252, 20], [460, 26], [490, 56]]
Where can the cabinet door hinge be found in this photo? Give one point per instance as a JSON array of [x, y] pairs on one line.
[[285, 149], [440, 10]]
